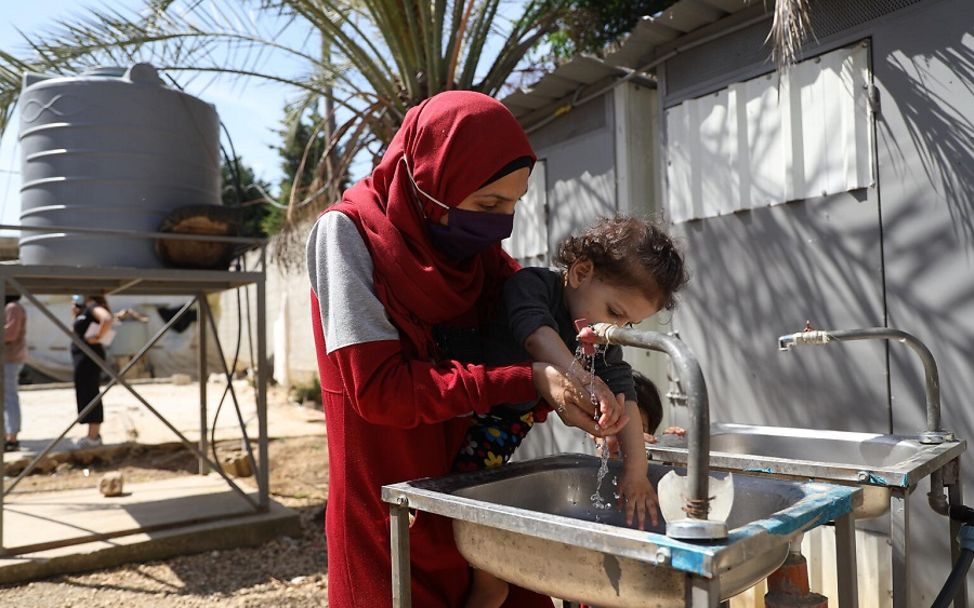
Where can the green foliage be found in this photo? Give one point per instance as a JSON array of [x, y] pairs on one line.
[[302, 139], [238, 180], [307, 392], [297, 141], [591, 25]]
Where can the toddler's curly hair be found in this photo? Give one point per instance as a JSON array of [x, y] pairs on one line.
[[624, 250]]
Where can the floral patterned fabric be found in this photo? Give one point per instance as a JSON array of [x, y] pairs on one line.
[[492, 439]]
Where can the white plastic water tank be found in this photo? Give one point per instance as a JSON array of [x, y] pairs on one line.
[[110, 148]]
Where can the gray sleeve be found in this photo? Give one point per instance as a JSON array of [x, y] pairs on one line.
[[340, 269], [616, 373]]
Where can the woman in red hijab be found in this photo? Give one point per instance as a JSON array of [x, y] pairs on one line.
[[409, 259]]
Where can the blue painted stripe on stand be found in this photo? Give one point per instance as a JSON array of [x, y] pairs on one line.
[[822, 504]]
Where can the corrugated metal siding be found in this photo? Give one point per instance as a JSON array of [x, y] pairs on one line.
[[755, 144], [528, 243]]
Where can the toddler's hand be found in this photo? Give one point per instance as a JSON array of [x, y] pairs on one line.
[[637, 494], [679, 431], [610, 443]]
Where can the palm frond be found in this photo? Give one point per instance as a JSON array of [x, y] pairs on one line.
[[367, 61], [790, 29]]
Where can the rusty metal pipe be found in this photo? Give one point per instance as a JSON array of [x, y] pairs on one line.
[[934, 432], [698, 435]]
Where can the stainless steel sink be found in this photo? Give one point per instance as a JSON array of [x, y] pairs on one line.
[[876, 462], [533, 524]]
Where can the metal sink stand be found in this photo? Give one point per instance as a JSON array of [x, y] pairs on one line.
[[29, 280], [946, 475], [701, 592]]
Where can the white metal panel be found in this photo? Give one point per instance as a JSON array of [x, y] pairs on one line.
[[528, 242], [755, 144], [719, 156], [834, 114], [765, 167], [861, 114], [678, 165]]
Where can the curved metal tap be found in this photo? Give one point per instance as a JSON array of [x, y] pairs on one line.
[[934, 433], [696, 526]]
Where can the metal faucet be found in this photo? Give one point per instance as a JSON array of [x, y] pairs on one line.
[[696, 526], [933, 434]]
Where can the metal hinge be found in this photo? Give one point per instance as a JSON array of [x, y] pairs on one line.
[[872, 98]]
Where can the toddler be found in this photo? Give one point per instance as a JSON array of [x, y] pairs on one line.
[[621, 271]]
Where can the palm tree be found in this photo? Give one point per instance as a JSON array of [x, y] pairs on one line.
[[362, 63]]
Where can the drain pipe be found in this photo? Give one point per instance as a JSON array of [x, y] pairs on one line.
[[933, 434], [936, 497], [696, 526]]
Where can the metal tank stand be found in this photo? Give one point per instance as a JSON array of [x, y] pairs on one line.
[[30, 281]]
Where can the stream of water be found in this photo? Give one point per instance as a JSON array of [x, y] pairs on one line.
[[587, 362]]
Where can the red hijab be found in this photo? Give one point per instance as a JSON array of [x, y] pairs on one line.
[[453, 143]]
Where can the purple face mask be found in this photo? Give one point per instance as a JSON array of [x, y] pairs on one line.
[[470, 232]]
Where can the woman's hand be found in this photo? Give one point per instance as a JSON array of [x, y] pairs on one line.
[[636, 493], [574, 405]]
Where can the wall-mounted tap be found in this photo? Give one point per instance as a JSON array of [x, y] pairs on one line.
[[809, 336], [696, 526]]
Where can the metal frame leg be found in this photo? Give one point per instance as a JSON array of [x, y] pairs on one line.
[[263, 473], [955, 496], [3, 406], [899, 515], [702, 592], [202, 312], [402, 593], [117, 378], [845, 561]]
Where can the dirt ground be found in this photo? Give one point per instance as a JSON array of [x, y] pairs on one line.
[[284, 572]]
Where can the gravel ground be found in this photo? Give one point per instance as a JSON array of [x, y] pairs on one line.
[[284, 572]]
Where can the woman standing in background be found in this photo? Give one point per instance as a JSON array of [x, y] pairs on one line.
[[89, 310]]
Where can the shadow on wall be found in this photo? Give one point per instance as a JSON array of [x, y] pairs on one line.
[[942, 132], [926, 133], [759, 274]]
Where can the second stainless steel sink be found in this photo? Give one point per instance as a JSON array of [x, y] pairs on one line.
[[876, 462]]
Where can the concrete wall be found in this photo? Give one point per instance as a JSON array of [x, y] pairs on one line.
[[899, 253], [290, 344]]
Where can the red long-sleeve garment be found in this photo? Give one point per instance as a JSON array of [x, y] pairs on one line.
[[392, 419]]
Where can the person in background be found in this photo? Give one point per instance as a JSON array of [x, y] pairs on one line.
[[650, 409], [15, 353], [88, 310]]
